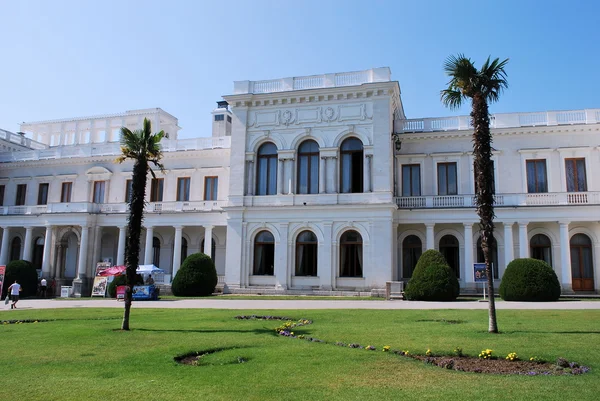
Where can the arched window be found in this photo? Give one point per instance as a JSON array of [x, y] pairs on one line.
[[15, 249], [264, 254], [541, 248], [308, 168], [306, 254], [351, 254], [351, 166], [450, 249], [582, 265], [481, 257], [411, 252], [266, 170], [155, 251], [213, 247], [38, 253]]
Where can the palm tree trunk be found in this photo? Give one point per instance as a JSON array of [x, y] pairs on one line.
[[482, 151], [134, 228]]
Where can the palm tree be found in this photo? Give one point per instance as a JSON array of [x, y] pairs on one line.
[[141, 146], [482, 87]]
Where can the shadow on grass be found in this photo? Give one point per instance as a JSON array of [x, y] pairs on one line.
[[550, 332], [253, 331]]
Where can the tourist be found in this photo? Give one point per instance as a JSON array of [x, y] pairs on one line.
[[149, 280], [14, 290], [43, 286]]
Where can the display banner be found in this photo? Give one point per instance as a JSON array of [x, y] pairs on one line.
[[99, 287], [100, 266], [479, 272], [2, 272]]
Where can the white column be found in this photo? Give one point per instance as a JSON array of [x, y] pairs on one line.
[[250, 178], [468, 269], [76, 138], [291, 177], [280, 176], [334, 175], [565, 257], [83, 248], [322, 183], [121, 246], [97, 246], [281, 265], [509, 253], [523, 243], [207, 240], [325, 264], [148, 248], [27, 245], [47, 249], [4, 248], [367, 173], [177, 250], [429, 238]]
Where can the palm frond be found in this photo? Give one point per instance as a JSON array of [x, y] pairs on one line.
[[451, 98]]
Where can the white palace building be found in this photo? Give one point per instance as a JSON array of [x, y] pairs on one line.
[[316, 184]]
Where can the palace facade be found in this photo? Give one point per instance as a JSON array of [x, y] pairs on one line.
[[315, 184]]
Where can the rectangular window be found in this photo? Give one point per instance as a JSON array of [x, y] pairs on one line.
[[43, 194], [210, 188], [99, 188], [65, 192], [537, 181], [228, 119], [447, 179], [156, 190], [1, 195], [493, 178], [21, 193], [219, 117], [183, 189], [411, 180], [128, 190], [575, 172]]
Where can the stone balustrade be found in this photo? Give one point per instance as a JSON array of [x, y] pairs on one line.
[[500, 120], [529, 199]]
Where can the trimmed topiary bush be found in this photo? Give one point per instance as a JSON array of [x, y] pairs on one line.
[[197, 277], [121, 280], [25, 274], [530, 280], [432, 280]]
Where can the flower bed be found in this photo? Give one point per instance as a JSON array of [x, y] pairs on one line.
[[485, 362]]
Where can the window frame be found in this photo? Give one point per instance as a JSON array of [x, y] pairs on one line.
[[2, 190], [269, 271], [157, 186], [269, 157], [183, 184], [66, 190], [313, 254], [446, 164], [356, 184], [575, 161], [43, 189], [97, 185], [21, 195], [355, 269], [536, 163], [211, 188], [410, 167], [307, 157]]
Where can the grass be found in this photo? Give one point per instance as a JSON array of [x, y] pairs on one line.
[[83, 355]]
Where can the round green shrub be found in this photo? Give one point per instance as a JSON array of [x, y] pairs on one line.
[[432, 280], [121, 280], [25, 274], [529, 280], [197, 277]]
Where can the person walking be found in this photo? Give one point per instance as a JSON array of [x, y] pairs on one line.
[[14, 290], [43, 286]]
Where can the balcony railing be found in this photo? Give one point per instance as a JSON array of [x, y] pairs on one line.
[[111, 149], [500, 120], [110, 208], [537, 199], [313, 81]]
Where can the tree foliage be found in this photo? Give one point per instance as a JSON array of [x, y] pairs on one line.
[[196, 277], [24, 272], [531, 280], [432, 280]]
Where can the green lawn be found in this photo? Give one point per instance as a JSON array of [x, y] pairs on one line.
[[83, 356]]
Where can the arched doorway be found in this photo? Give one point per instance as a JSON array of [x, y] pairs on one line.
[[15, 249], [481, 256], [306, 254], [449, 247], [264, 254], [582, 265], [351, 254], [411, 252], [541, 248], [38, 252]]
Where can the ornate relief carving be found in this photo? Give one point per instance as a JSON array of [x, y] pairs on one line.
[[329, 114], [287, 117]]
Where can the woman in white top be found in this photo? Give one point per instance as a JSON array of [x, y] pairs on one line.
[[14, 290]]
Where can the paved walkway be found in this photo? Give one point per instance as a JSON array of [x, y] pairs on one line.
[[251, 304]]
